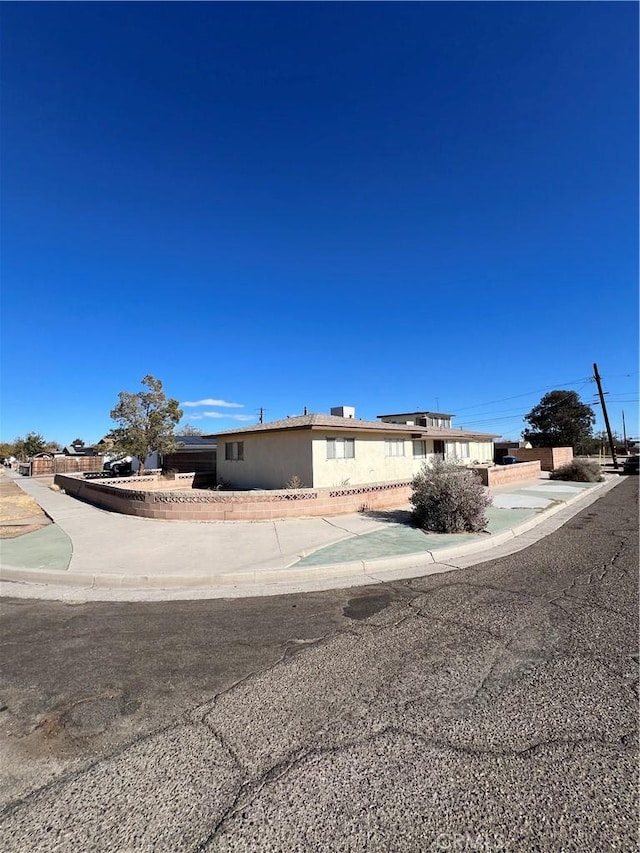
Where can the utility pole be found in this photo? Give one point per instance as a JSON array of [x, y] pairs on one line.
[[596, 376], [624, 434], [261, 415]]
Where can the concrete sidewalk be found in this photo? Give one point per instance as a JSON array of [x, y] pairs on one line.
[[93, 554]]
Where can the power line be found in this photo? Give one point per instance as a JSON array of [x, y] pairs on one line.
[[515, 416], [583, 379]]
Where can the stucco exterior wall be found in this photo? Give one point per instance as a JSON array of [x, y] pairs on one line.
[[370, 465], [270, 460]]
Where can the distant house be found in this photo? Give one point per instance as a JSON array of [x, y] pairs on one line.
[[192, 453], [337, 449], [426, 419], [78, 448], [453, 444]]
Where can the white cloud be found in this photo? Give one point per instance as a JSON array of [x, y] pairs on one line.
[[222, 404], [223, 415], [195, 417]]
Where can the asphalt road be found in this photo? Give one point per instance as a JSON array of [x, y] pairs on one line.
[[491, 708]]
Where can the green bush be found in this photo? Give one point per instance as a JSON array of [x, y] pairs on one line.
[[449, 499], [579, 471]]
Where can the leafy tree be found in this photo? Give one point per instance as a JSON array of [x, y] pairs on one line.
[[593, 445], [559, 420], [191, 430], [7, 449], [30, 445], [105, 445], [146, 421]]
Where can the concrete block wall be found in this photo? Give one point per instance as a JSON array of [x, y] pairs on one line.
[[186, 504], [502, 475], [550, 458], [151, 483]]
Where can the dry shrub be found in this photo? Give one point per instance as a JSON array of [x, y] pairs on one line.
[[449, 499]]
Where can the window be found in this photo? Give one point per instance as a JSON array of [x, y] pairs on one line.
[[458, 449], [394, 447], [234, 451], [341, 448], [420, 449]]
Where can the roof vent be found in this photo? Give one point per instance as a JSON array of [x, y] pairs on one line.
[[343, 411]]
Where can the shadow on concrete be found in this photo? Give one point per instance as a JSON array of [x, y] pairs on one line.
[[391, 516]]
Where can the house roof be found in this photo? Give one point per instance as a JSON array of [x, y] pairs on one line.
[[73, 450], [333, 422], [195, 442]]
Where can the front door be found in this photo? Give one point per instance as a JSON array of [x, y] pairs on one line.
[[438, 448]]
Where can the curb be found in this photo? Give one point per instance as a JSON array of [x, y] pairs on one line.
[[358, 571]]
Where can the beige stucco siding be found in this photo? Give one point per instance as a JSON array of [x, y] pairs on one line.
[[270, 460], [370, 465]]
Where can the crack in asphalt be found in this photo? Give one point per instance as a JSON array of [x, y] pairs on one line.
[[464, 625], [296, 760], [603, 569], [253, 787]]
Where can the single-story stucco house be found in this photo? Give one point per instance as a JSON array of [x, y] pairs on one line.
[[338, 449]]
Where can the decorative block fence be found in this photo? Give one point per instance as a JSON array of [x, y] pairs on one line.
[[503, 475], [550, 458], [163, 499], [149, 497]]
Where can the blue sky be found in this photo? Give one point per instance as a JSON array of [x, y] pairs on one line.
[[394, 206]]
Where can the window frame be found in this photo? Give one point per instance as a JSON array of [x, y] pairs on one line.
[[423, 443], [347, 445], [234, 451], [393, 444]]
